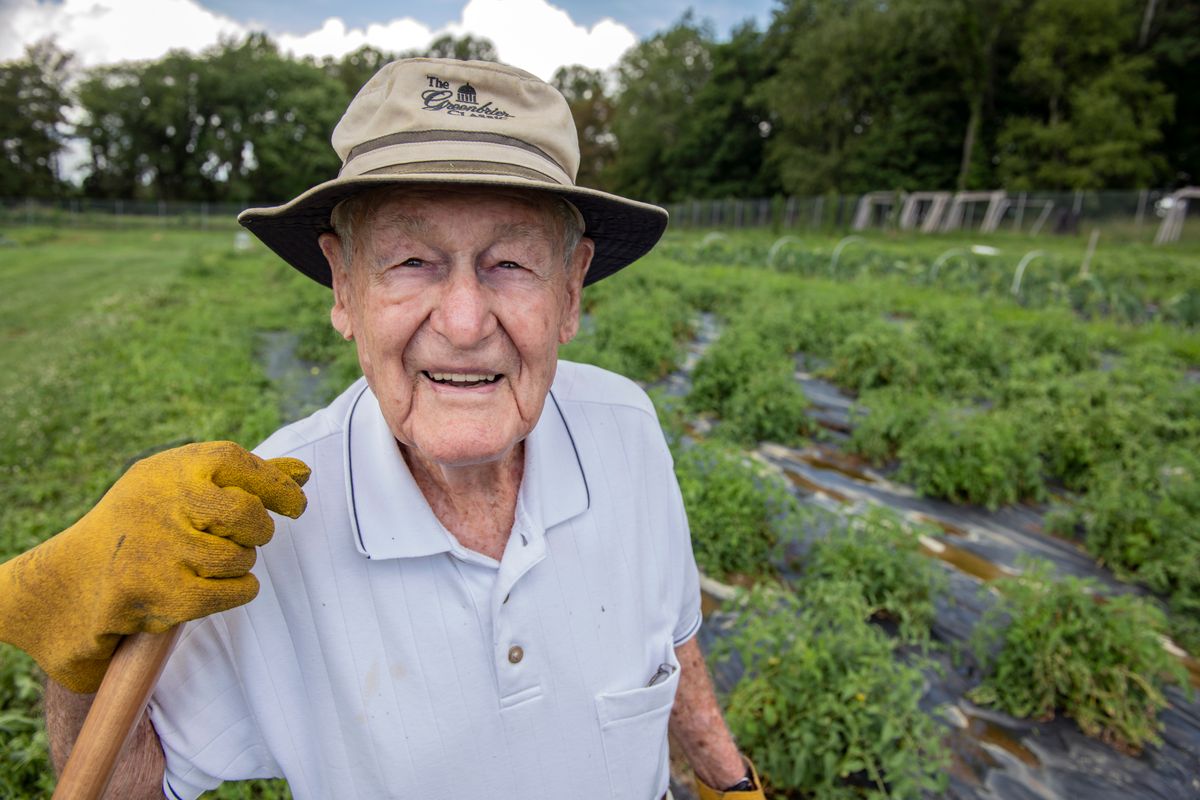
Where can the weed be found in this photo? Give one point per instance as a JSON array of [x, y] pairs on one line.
[[884, 419], [24, 762], [738, 512], [635, 333], [881, 354], [1101, 663], [824, 708], [1139, 518], [767, 406], [748, 380], [974, 456], [880, 553]]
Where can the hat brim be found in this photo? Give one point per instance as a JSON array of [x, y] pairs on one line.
[[623, 230]]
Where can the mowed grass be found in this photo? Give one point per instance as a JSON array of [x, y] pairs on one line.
[[118, 344], [51, 283]]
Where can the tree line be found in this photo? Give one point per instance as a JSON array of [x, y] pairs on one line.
[[834, 96]]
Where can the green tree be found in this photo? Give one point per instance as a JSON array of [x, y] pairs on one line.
[[1172, 42], [32, 103], [725, 134], [117, 129], [356, 67], [659, 80], [238, 122], [860, 98], [465, 48], [1102, 114], [970, 39], [592, 111], [687, 120], [280, 115]]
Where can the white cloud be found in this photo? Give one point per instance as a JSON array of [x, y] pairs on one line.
[[334, 39], [539, 37], [531, 34], [104, 31]]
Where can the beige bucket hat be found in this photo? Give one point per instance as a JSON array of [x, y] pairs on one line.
[[430, 120]]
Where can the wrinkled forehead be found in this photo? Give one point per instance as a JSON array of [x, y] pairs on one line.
[[425, 212]]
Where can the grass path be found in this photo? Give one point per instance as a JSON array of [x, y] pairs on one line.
[[117, 344]]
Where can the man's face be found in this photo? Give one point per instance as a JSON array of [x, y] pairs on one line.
[[457, 302]]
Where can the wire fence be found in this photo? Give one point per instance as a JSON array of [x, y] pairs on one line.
[[85, 212], [1136, 215]]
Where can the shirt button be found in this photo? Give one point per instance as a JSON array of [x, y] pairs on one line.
[[515, 654]]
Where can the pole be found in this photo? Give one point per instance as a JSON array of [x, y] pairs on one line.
[[123, 695]]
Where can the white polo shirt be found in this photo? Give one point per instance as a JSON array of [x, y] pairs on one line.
[[383, 659]]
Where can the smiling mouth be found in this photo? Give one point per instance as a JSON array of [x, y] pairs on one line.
[[464, 380]]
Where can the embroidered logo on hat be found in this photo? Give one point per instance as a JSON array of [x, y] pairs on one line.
[[440, 97]]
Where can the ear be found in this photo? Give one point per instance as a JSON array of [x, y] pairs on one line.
[[339, 315], [577, 269]]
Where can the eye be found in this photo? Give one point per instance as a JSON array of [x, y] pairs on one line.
[[509, 265], [412, 262]]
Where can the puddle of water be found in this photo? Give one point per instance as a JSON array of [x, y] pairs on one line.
[[948, 528], [963, 560], [1190, 662], [834, 425], [988, 732], [831, 461], [299, 382], [709, 604], [959, 768], [714, 593], [1193, 667], [815, 488]]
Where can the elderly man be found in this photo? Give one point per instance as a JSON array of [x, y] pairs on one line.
[[492, 591]]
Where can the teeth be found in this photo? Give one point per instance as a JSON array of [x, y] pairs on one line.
[[463, 377]]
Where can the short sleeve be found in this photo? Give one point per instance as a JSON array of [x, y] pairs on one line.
[[683, 562], [202, 718]]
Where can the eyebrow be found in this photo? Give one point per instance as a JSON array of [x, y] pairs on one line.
[[407, 223], [522, 230], [391, 222], [417, 226]]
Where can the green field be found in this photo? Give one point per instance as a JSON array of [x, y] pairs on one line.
[[116, 345], [1081, 389]]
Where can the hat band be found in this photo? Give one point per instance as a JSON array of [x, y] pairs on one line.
[[434, 169], [443, 135], [399, 154]]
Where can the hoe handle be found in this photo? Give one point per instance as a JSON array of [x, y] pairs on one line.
[[123, 695]]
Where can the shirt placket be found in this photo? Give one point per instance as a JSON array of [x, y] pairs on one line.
[[515, 649]]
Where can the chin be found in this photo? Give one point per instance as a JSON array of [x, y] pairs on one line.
[[465, 447]]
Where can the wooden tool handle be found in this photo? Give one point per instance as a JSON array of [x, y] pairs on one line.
[[123, 695]]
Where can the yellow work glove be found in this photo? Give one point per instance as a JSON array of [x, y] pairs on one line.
[[172, 540], [706, 792]]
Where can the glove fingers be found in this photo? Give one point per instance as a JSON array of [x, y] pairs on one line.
[[191, 595], [234, 514], [271, 482], [294, 468], [210, 556], [213, 595]]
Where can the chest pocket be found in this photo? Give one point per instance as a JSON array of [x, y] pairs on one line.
[[633, 727]]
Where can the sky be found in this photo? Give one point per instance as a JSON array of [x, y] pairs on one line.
[[537, 35]]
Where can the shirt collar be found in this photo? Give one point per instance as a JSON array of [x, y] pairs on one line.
[[390, 518]]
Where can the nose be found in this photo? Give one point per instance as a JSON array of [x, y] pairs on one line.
[[463, 314]]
